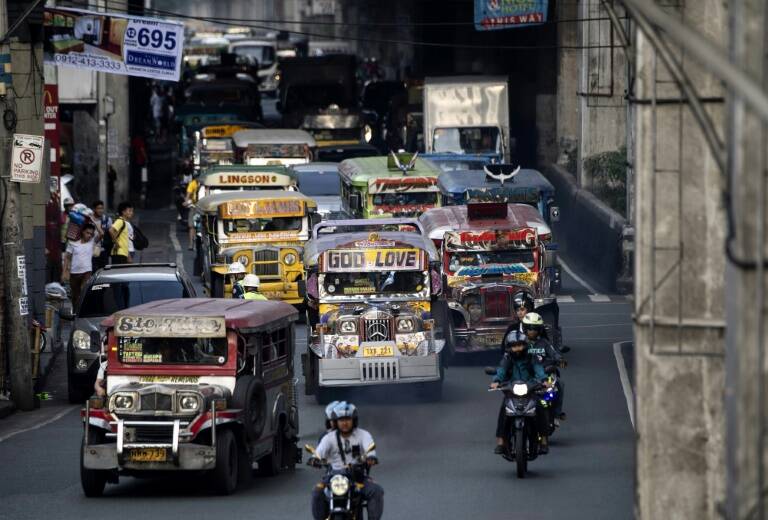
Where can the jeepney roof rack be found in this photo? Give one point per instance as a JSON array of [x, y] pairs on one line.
[[360, 225], [501, 172], [143, 264], [487, 210], [402, 161]]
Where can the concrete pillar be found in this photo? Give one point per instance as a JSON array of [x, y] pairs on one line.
[[746, 301], [679, 289]]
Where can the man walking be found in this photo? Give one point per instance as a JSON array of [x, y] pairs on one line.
[[103, 223], [78, 261]]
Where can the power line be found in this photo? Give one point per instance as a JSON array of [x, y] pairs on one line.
[[416, 43]]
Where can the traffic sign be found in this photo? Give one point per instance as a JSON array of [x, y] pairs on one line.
[[27, 158]]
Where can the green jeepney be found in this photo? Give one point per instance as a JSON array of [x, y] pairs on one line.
[[398, 185]]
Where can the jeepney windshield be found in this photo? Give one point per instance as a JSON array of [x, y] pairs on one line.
[[405, 199], [264, 54], [256, 225], [482, 139], [461, 259], [381, 283], [172, 351]]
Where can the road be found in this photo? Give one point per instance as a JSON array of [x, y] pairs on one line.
[[436, 458]]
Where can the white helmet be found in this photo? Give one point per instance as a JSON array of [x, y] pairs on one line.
[[236, 268], [251, 280], [329, 410]]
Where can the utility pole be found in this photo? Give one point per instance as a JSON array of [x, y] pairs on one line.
[[14, 266]]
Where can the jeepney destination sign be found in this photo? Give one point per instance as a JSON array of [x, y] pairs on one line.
[[247, 179], [262, 208], [171, 326], [386, 260]]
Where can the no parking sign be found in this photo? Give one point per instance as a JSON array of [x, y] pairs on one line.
[[27, 159]]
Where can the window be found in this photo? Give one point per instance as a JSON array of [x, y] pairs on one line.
[[479, 258], [103, 299], [257, 225], [405, 199], [172, 351], [274, 346], [467, 140], [318, 183], [264, 54], [378, 283]]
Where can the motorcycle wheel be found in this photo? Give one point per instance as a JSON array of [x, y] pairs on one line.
[[521, 458]]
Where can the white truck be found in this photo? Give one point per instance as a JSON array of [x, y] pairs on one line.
[[467, 118]]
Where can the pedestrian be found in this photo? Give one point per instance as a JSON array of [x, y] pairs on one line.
[[189, 203], [120, 233], [157, 103], [68, 203], [78, 260], [103, 223]]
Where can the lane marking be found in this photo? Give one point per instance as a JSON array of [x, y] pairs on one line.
[[629, 395], [565, 299], [176, 247], [599, 325], [579, 279], [599, 298], [40, 425]]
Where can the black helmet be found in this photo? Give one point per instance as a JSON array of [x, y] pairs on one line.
[[523, 300]]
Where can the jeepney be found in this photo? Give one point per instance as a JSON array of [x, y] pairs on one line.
[[213, 144], [273, 146], [194, 385], [264, 230], [500, 183], [398, 185], [491, 254], [240, 177], [370, 297]]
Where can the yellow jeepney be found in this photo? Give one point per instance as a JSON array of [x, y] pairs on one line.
[[265, 231]]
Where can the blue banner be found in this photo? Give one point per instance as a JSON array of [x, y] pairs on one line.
[[491, 15]]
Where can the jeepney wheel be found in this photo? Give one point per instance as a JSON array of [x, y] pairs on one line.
[[92, 480], [250, 396], [224, 475], [271, 464]]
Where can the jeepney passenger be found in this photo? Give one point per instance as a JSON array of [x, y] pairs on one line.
[[251, 285], [236, 273]]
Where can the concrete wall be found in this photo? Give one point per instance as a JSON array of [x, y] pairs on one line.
[[679, 291]]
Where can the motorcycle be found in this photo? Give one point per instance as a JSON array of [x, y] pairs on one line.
[[521, 401], [345, 502]]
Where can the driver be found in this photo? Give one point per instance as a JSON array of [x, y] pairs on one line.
[[517, 365], [340, 448], [547, 354]]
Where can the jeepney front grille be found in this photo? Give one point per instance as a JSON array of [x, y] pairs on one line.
[[159, 434], [379, 370], [496, 303], [266, 262], [378, 329], [157, 402]]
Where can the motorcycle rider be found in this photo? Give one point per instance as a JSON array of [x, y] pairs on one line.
[[547, 355], [236, 272], [330, 418], [251, 284], [523, 304], [337, 448], [517, 365]]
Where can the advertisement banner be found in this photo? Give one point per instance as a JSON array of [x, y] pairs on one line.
[[491, 15], [113, 43]]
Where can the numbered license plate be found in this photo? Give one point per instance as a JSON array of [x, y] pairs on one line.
[[386, 351], [147, 455], [494, 339]]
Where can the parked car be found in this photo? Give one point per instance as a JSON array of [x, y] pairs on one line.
[[110, 290]]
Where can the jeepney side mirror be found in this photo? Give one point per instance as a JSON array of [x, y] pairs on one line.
[[554, 213]]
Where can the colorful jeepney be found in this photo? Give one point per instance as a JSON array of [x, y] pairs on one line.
[[194, 385], [240, 177], [264, 230], [213, 144], [370, 298], [492, 253], [500, 183], [402, 185], [274, 146]]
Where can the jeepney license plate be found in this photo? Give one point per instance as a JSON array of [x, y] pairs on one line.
[[385, 351], [494, 339], [147, 455]]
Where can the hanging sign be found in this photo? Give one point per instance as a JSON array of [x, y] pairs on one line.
[[491, 15], [113, 43]]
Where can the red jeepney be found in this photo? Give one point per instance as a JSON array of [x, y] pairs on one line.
[[491, 254], [194, 385]]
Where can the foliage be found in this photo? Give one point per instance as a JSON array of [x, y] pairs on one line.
[[608, 171]]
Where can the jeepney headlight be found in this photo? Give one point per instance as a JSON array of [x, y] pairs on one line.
[[339, 485], [406, 325], [367, 133], [289, 259], [123, 401], [81, 340], [189, 402], [243, 260], [348, 327]]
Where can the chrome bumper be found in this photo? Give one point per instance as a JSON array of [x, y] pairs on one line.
[[379, 370], [190, 457]]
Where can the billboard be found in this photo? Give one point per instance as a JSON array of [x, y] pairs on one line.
[[113, 43], [491, 15]]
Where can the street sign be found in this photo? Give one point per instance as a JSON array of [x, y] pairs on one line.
[[27, 158]]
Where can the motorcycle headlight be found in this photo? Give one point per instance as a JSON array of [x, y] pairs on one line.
[[406, 325], [189, 402], [348, 327], [367, 133], [289, 259], [81, 340], [123, 401], [339, 485], [520, 389]]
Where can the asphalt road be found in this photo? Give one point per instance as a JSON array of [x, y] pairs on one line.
[[436, 458]]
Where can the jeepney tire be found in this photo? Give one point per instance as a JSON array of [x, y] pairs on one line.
[[251, 397], [271, 464], [92, 481], [224, 475]]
